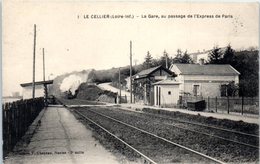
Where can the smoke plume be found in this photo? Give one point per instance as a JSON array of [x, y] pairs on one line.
[[72, 82]]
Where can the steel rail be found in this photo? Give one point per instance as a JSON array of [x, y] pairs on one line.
[[211, 135], [182, 121], [213, 127], [218, 128], [156, 136], [198, 124], [135, 150]]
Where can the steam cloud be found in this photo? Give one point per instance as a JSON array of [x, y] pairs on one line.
[[72, 82]]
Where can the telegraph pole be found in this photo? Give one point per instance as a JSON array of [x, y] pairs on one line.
[[43, 64], [119, 86], [166, 59], [34, 47], [44, 85], [130, 71]]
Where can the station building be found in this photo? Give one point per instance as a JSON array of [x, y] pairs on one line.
[[204, 80], [40, 87]]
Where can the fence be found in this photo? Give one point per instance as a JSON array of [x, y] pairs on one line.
[[17, 117], [242, 105]]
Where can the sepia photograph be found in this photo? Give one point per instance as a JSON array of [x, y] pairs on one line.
[[126, 82]]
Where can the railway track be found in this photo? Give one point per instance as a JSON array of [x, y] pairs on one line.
[[230, 153], [213, 146], [210, 129], [146, 159], [203, 125], [150, 141]]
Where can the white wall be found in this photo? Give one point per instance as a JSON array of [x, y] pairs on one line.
[[167, 99], [205, 89], [209, 85], [211, 77], [27, 91]]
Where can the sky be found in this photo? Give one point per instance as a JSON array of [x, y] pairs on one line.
[[75, 43]]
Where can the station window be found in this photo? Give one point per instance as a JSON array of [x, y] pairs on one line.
[[223, 90], [196, 90], [169, 92]]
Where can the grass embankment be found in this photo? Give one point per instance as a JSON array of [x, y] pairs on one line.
[[90, 95], [94, 93], [224, 123]]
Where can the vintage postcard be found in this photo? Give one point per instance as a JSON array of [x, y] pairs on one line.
[[130, 82]]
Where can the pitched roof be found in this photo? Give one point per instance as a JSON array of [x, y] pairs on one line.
[[37, 83], [167, 82], [209, 69], [147, 72]]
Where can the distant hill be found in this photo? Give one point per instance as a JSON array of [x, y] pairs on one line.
[[71, 81]]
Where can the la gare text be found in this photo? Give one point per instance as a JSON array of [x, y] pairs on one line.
[[153, 16]]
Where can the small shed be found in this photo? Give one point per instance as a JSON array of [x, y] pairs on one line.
[[142, 82], [40, 86], [166, 93]]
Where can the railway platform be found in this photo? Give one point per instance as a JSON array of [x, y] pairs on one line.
[[231, 116], [59, 137]]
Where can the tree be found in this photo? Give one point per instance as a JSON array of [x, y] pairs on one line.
[[123, 75], [179, 53], [249, 87], [156, 62], [215, 56], [186, 58], [148, 60], [247, 63], [231, 89], [229, 56], [165, 61], [182, 57]]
